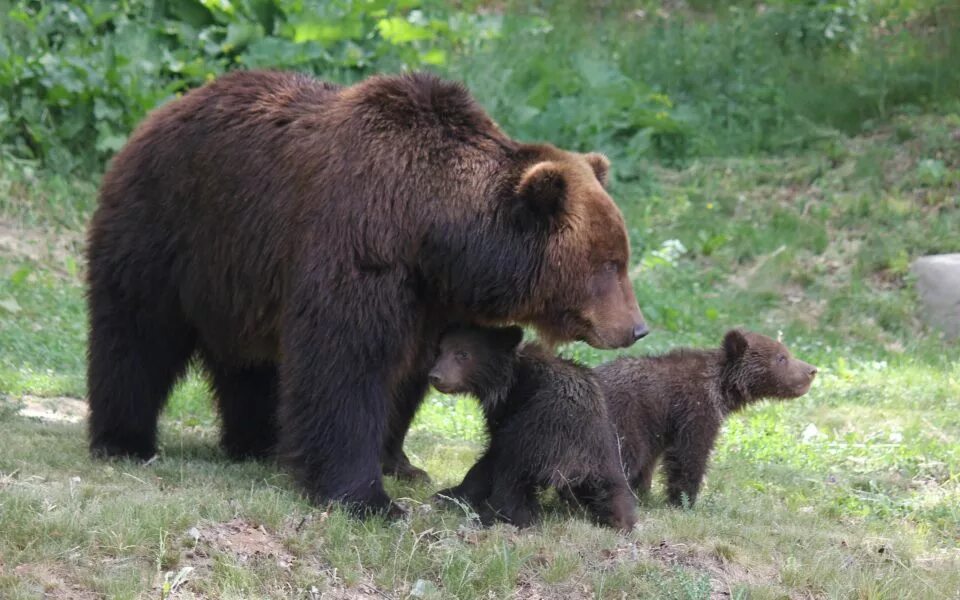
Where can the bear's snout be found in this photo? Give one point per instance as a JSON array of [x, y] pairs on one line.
[[804, 374], [620, 334], [640, 330]]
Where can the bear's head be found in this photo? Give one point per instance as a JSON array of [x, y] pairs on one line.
[[583, 290], [758, 367], [475, 360]]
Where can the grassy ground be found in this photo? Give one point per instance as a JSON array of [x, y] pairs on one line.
[[850, 492]]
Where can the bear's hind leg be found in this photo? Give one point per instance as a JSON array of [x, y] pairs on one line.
[[247, 399], [135, 356]]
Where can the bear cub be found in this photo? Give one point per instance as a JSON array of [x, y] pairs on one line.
[[672, 406], [548, 427]]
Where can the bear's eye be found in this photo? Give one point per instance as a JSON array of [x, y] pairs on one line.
[[611, 267], [461, 355], [781, 359]]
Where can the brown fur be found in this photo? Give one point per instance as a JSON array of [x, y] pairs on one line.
[[548, 427], [673, 406], [308, 241]]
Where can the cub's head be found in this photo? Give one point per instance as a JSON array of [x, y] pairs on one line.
[[475, 360], [760, 367], [583, 291]]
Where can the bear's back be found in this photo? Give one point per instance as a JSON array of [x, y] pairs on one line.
[[648, 391], [298, 171]]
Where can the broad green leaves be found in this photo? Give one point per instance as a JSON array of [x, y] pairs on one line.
[[76, 77]]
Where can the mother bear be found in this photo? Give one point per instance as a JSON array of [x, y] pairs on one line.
[[308, 242]]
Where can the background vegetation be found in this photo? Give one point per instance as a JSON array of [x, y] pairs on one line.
[[667, 81], [780, 165]]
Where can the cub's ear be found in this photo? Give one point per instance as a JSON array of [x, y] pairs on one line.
[[734, 344], [600, 165], [508, 338], [543, 188]]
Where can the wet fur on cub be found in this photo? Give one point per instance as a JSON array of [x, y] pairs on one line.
[[548, 427], [672, 406]]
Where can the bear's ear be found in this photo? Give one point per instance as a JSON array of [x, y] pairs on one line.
[[543, 188], [508, 338], [600, 165], [734, 344]]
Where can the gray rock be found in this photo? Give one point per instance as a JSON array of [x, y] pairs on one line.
[[938, 283]]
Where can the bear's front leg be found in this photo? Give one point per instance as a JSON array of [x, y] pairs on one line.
[[643, 481], [337, 360], [330, 435], [407, 397], [511, 500], [476, 485], [609, 500]]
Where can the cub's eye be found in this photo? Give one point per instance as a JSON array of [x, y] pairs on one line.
[[781, 359], [611, 267], [461, 355]]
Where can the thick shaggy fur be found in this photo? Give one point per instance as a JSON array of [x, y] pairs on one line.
[[309, 241], [548, 427], [673, 406]]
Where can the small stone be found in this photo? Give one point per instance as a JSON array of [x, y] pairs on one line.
[[194, 534], [938, 284], [810, 433], [422, 588]]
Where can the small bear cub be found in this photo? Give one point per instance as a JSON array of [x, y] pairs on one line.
[[673, 406], [548, 427]]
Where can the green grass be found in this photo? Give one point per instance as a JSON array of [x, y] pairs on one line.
[[850, 492]]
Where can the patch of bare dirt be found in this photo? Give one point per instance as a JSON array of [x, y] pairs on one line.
[[54, 249], [60, 409], [363, 591], [53, 582], [242, 540], [723, 574], [247, 543], [535, 590]]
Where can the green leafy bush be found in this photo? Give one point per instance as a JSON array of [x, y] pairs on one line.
[[631, 79], [75, 77]]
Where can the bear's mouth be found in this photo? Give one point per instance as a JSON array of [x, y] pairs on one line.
[[594, 339], [444, 388]]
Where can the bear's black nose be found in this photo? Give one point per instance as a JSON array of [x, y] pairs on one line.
[[640, 331], [434, 379], [813, 371]]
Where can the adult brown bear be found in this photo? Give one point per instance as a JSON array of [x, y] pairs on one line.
[[309, 241]]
